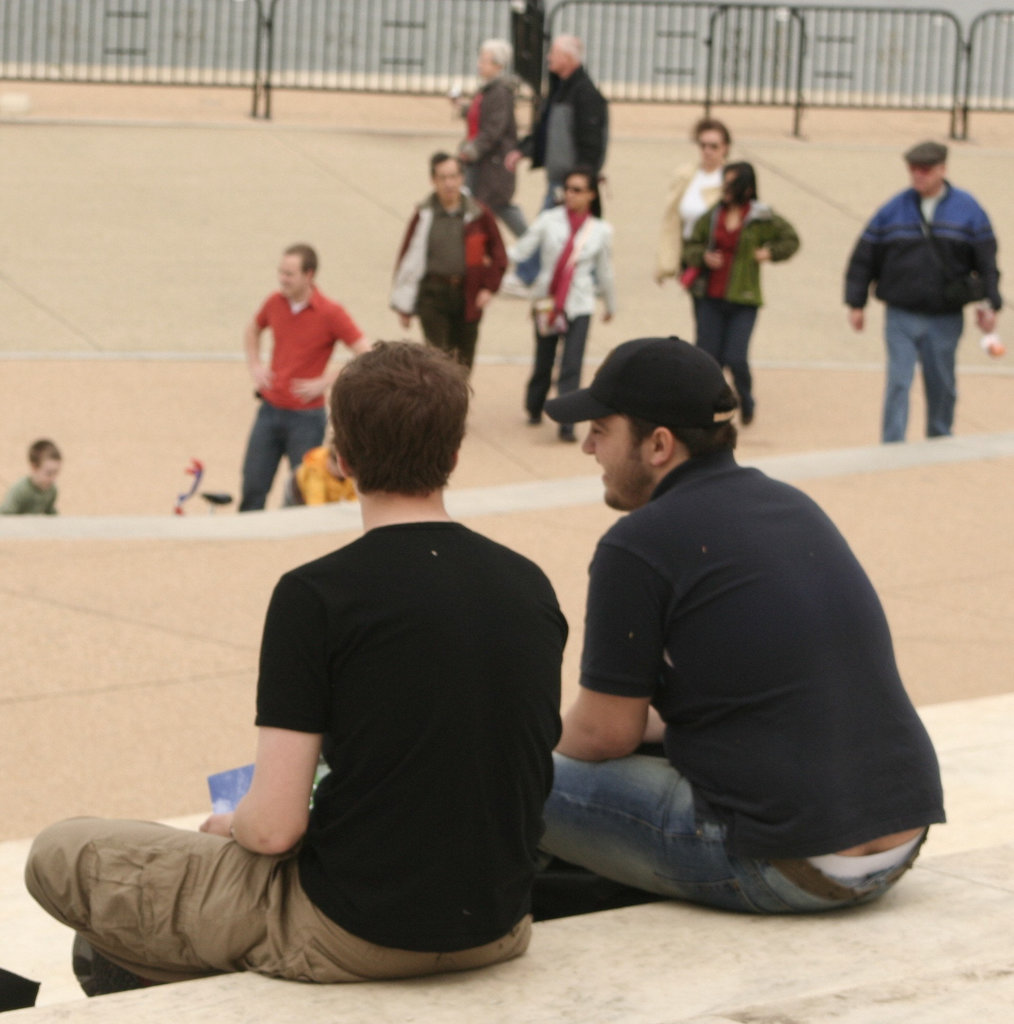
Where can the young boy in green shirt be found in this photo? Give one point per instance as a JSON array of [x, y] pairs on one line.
[[35, 494]]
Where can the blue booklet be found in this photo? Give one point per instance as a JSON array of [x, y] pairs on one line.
[[228, 788]]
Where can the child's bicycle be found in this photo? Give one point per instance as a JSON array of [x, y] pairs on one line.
[[214, 499]]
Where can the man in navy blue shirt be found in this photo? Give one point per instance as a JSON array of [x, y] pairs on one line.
[[728, 619]]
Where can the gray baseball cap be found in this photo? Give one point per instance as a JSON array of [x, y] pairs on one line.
[[927, 154]]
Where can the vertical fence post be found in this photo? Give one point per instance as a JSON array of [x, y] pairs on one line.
[[709, 65], [965, 100], [797, 120], [528, 34], [256, 94], [264, 40]]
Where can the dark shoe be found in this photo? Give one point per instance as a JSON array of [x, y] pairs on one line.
[[99, 976], [746, 418], [567, 433], [534, 419]]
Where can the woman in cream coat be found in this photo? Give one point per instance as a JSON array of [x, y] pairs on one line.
[[694, 190], [576, 252]]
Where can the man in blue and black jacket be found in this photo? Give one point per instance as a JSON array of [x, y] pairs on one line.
[[930, 250]]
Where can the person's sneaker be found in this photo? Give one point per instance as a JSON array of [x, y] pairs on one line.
[[513, 287], [534, 419], [98, 976], [746, 418], [567, 433]]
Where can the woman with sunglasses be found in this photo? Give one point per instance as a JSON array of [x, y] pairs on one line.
[[694, 190], [729, 244], [575, 246]]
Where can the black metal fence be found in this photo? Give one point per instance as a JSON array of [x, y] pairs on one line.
[[131, 41], [638, 50], [989, 66], [793, 56]]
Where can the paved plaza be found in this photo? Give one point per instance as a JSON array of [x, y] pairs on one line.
[[141, 231]]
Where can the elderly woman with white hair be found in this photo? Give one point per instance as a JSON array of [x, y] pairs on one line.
[[492, 134]]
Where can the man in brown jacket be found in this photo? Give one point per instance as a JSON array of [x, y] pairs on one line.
[[450, 263]]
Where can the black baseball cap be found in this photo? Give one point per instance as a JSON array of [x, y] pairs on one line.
[[666, 381]]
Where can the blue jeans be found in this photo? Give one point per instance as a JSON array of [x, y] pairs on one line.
[[932, 341], [633, 820], [528, 270], [723, 331], [277, 433], [571, 361]]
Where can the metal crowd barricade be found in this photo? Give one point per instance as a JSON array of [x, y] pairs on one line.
[[660, 51], [873, 58], [417, 47], [989, 66], [755, 58], [770, 54], [137, 42], [641, 51]]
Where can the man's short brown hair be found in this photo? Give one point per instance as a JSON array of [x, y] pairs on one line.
[[398, 413], [41, 450], [307, 256]]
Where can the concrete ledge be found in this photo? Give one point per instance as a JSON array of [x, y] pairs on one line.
[[501, 499], [932, 951], [917, 955]]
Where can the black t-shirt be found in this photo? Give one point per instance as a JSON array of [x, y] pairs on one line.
[[733, 602], [429, 657]]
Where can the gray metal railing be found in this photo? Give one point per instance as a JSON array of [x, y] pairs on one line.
[[139, 42], [778, 55], [989, 67], [670, 51]]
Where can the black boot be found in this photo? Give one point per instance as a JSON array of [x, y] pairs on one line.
[[99, 976]]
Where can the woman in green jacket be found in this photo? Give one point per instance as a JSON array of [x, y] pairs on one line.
[[728, 245]]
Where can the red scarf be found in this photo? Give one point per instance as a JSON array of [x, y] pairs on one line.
[[563, 272], [472, 120]]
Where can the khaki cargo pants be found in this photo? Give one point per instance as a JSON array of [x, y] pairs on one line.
[[170, 905]]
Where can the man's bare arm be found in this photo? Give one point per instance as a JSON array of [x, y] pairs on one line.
[[260, 373], [273, 815], [599, 726]]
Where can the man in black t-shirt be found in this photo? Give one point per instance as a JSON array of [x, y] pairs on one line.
[[729, 620], [423, 660]]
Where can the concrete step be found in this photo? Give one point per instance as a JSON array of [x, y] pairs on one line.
[[935, 950], [919, 954]]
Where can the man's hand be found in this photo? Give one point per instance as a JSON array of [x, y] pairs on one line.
[[606, 317], [218, 825], [856, 318], [405, 320], [308, 388], [482, 298], [985, 317], [762, 255], [511, 160], [262, 376]]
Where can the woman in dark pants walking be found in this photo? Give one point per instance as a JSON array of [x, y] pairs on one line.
[[729, 243], [576, 253]]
